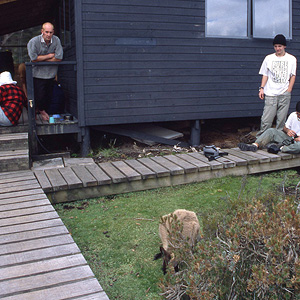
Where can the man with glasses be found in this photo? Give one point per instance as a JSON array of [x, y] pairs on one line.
[[286, 140]]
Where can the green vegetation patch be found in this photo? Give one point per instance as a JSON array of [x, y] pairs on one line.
[[118, 235]]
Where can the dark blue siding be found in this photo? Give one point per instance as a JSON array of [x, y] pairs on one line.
[[149, 61]]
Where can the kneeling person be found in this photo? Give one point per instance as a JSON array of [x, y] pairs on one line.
[[286, 140]]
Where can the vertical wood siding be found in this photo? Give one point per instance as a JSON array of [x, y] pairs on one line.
[[149, 61]]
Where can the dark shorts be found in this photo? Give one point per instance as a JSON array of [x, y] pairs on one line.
[[43, 89]]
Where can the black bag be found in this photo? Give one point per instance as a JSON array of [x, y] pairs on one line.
[[212, 152]]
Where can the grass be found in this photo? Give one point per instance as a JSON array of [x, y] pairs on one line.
[[119, 235]]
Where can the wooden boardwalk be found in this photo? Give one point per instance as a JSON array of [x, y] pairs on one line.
[[38, 257], [77, 179]]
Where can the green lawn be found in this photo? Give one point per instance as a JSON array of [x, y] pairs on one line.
[[119, 235]]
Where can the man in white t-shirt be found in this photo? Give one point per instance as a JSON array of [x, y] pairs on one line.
[[286, 140], [278, 72]]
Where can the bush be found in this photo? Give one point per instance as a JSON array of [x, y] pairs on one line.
[[253, 255]]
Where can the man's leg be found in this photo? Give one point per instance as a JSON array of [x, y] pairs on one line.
[[43, 89], [271, 135], [269, 114], [282, 110], [292, 148]]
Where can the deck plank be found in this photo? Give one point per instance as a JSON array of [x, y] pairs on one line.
[[21, 193], [26, 211], [159, 170], [27, 198], [40, 243], [65, 291], [202, 166], [23, 227], [25, 204], [101, 177], [185, 165], [214, 164], [33, 234], [71, 178], [38, 254], [43, 180], [56, 180], [260, 155], [28, 218], [273, 157], [84, 175], [129, 172], [21, 188], [43, 281], [238, 160], [17, 179], [113, 172], [41, 266], [244, 155], [140, 168], [172, 167], [23, 183]]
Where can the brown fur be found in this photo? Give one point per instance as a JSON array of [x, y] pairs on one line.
[[190, 231]]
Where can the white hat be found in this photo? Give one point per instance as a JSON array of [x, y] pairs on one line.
[[5, 78]]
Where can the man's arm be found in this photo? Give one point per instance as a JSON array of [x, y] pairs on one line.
[[291, 84], [288, 131], [47, 57], [261, 93]]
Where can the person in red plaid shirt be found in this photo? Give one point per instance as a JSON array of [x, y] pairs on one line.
[[12, 100]]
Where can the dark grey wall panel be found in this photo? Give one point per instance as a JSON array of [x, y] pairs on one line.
[[149, 61]]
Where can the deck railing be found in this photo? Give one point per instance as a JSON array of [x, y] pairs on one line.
[[32, 131]]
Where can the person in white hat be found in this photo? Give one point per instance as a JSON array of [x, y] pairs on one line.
[[12, 100]]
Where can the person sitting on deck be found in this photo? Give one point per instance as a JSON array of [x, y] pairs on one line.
[[12, 100], [286, 140]]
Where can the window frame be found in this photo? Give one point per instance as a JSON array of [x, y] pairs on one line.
[[250, 23]]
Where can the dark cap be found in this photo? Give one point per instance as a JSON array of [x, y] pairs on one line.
[[279, 39]]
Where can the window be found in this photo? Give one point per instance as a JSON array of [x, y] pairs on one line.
[[248, 18], [64, 23]]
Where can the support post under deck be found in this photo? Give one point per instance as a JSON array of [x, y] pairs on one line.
[[195, 133]]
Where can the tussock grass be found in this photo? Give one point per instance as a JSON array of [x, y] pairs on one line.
[[118, 235]]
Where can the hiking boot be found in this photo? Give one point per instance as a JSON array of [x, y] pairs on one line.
[[247, 147], [273, 148]]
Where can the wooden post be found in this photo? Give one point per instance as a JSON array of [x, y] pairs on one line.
[[195, 133], [32, 134], [86, 141]]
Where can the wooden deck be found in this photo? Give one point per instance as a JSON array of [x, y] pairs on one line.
[[76, 179], [38, 257]]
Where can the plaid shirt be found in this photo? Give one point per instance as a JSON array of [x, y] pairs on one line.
[[12, 100]]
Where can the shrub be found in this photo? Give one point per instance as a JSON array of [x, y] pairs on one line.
[[254, 255]]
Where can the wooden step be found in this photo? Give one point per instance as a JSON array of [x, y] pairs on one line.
[[14, 160], [13, 129], [14, 141]]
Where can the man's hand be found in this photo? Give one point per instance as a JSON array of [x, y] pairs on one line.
[[291, 133], [261, 94]]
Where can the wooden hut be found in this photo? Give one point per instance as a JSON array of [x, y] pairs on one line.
[[161, 60]]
